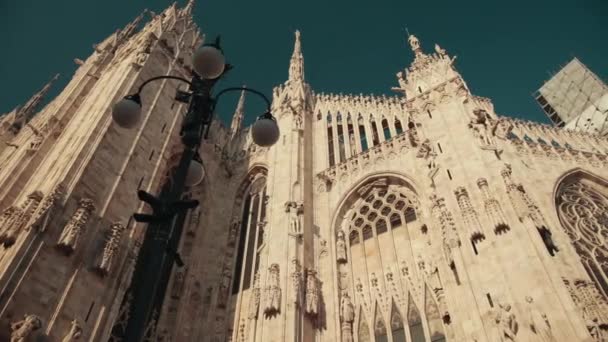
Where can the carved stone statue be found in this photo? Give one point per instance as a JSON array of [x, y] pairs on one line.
[[111, 248], [539, 323], [594, 330], [507, 323], [481, 128], [312, 295], [432, 275], [414, 42], [273, 291], [295, 225], [74, 333], [254, 299], [439, 50], [347, 310], [341, 248], [401, 79], [71, 233], [425, 149], [21, 331], [347, 317]]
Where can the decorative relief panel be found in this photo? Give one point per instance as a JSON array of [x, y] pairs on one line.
[[71, 232], [110, 249]]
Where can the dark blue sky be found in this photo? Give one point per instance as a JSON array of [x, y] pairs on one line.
[[505, 49]]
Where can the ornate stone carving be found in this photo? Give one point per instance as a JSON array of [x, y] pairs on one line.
[[469, 215], [273, 292], [222, 296], [312, 293], [9, 218], [450, 239], [22, 330], [506, 323], [294, 211], [254, 299], [110, 249], [71, 232], [47, 204], [296, 281], [19, 219], [341, 248], [538, 322], [493, 208], [74, 333], [595, 331], [482, 128]]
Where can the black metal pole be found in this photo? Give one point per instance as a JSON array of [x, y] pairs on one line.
[[149, 280]]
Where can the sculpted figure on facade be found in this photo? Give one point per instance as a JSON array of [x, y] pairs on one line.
[[507, 323], [469, 214], [273, 291], [482, 128], [72, 231], [439, 50], [341, 248], [312, 293], [539, 323], [111, 248], [347, 317], [294, 211], [22, 330], [74, 333]]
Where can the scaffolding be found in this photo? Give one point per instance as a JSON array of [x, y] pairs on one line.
[[570, 92]]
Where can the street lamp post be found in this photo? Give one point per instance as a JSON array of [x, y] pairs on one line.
[[158, 250]]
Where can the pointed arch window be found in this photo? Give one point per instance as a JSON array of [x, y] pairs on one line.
[[386, 130], [415, 322], [582, 206], [251, 230], [398, 127], [341, 142], [512, 136], [555, 143], [330, 146], [364, 335], [528, 139], [351, 138], [363, 138], [380, 328], [397, 325], [541, 141], [375, 139]]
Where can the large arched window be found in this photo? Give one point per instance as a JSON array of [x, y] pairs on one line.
[[251, 235], [582, 206], [381, 220]]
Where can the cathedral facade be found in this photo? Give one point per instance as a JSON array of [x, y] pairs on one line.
[[423, 216]]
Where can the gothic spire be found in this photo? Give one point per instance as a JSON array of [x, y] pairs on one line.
[[189, 7], [296, 65], [29, 108], [415, 45], [237, 118]]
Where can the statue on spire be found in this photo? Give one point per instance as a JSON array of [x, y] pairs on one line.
[[414, 43]]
